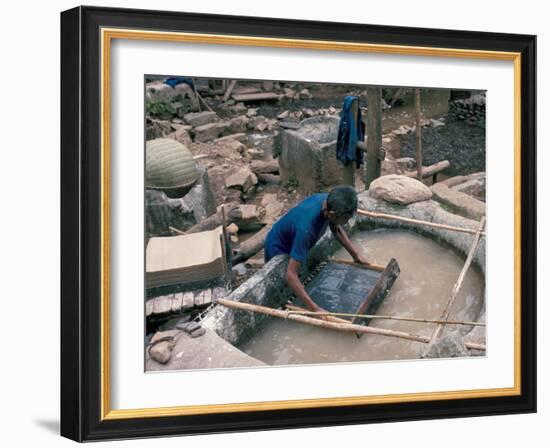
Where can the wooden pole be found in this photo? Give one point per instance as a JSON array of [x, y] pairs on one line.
[[252, 246], [348, 170], [374, 134], [417, 221], [456, 288], [418, 133], [372, 266], [431, 170], [320, 323], [305, 312], [348, 327], [229, 89], [332, 316]]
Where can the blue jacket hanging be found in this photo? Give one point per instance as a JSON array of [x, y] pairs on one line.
[[349, 133], [176, 80]]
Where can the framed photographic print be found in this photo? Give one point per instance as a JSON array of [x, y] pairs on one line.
[[273, 223]]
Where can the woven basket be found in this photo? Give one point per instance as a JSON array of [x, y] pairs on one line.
[[169, 165]]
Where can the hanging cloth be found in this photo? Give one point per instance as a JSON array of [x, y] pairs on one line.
[[349, 133]]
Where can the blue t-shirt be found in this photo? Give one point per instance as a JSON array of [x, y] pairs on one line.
[[297, 231]]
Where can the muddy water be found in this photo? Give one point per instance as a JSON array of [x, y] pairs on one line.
[[428, 273]]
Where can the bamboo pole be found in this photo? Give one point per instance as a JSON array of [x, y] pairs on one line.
[[320, 323], [229, 89], [456, 288], [469, 345], [298, 310], [348, 327], [330, 317], [417, 221], [372, 266], [178, 231], [418, 133]]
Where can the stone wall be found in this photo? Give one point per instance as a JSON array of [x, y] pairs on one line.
[[307, 155]]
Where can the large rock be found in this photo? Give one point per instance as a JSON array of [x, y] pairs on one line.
[[208, 132], [449, 346], [161, 352], [200, 118], [244, 179], [238, 124], [399, 189], [162, 212]]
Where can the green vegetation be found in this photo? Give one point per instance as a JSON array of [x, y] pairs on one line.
[[160, 109]]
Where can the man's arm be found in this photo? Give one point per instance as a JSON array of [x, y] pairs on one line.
[[294, 283], [341, 235]]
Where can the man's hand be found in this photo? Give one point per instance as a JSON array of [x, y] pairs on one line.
[[297, 287], [359, 258]]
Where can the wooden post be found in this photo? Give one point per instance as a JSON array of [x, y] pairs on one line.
[[418, 133], [229, 89], [348, 170], [374, 134], [456, 288]]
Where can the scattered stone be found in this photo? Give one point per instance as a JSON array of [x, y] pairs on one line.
[[399, 189], [200, 118], [283, 115], [305, 93], [188, 327], [289, 93], [248, 217], [251, 112], [273, 208], [254, 153], [244, 179], [234, 239], [240, 137], [449, 346], [197, 333], [233, 228], [239, 269], [258, 123], [332, 110], [308, 113], [182, 321], [173, 323], [208, 132], [238, 124], [181, 135], [405, 163], [234, 145], [161, 336], [239, 108], [161, 352], [289, 123]]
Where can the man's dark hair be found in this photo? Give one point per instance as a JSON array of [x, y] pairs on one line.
[[342, 200]]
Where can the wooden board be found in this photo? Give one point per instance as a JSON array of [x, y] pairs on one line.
[[262, 96]]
